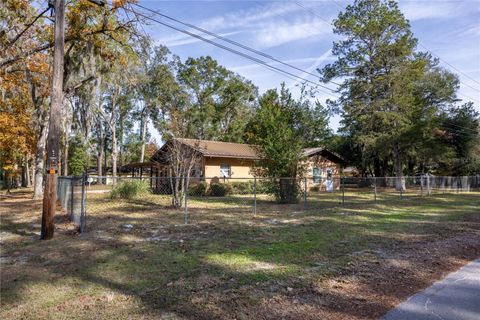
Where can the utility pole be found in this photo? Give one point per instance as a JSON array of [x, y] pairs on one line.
[[56, 103]]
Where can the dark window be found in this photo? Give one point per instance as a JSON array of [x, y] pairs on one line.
[[317, 175]]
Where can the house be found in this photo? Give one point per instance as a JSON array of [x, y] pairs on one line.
[[225, 161]]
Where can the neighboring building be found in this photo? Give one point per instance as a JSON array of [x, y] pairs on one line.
[[226, 160]]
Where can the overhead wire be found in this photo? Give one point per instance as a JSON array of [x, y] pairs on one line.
[[439, 58], [245, 47], [242, 54]]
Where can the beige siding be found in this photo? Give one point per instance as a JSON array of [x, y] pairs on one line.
[[323, 164], [240, 168]]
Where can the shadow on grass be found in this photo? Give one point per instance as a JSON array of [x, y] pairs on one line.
[[223, 269]]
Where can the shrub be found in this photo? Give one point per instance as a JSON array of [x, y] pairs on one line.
[[220, 189], [315, 188], [265, 186], [130, 189], [242, 187], [197, 189]]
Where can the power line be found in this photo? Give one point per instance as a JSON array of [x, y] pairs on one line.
[[256, 60], [263, 54], [461, 94], [312, 12], [453, 67], [439, 58], [461, 127]]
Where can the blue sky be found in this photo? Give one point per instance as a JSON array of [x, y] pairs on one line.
[[302, 35]]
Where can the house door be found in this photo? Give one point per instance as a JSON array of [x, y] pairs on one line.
[[329, 184]]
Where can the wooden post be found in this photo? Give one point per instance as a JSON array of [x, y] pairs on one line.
[[151, 177], [50, 190], [255, 196], [305, 193]]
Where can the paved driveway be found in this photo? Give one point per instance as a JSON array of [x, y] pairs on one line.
[[456, 297]]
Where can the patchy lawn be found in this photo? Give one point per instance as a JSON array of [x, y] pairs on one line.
[[325, 263]]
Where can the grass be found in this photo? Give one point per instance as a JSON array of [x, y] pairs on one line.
[[226, 263]]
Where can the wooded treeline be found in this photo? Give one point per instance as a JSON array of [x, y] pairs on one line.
[[400, 111]]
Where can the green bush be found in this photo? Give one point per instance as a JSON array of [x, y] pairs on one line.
[[220, 189], [242, 187], [246, 187], [265, 186], [197, 189], [130, 189], [315, 188]]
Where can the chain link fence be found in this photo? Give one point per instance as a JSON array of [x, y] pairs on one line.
[[71, 195], [193, 197]]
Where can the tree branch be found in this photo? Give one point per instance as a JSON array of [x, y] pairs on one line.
[[26, 28], [8, 61]]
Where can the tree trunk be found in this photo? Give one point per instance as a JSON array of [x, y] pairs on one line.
[[65, 157], [40, 158], [400, 179], [100, 153], [114, 155], [105, 163], [27, 171], [143, 133], [120, 139], [56, 104], [99, 165]]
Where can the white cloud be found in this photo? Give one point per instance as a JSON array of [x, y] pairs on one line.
[[420, 10], [280, 32], [247, 17], [184, 40], [473, 30], [291, 61], [313, 67]]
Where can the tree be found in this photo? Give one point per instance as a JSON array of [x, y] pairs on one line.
[[281, 129], [181, 160], [221, 102], [460, 130], [380, 98], [78, 157]]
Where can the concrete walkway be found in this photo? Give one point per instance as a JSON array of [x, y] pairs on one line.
[[456, 297]]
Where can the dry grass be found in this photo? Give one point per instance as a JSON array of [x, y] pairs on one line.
[[337, 263]]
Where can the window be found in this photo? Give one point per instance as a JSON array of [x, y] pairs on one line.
[[225, 170], [317, 175]]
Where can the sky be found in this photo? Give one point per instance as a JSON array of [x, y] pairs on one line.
[[300, 33]]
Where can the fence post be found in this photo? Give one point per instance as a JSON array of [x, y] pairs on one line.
[[72, 186], [421, 185], [375, 187], [185, 203], [305, 193], [428, 184], [342, 184], [83, 205], [255, 196]]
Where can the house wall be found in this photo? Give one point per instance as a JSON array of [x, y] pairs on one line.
[[323, 164], [240, 168]]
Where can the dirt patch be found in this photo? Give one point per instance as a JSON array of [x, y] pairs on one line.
[[146, 264]]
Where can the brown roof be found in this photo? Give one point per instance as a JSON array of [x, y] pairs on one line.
[[330, 155], [221, 149], [244, 151]]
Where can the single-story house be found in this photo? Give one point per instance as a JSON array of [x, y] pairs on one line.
[[225, 160]]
